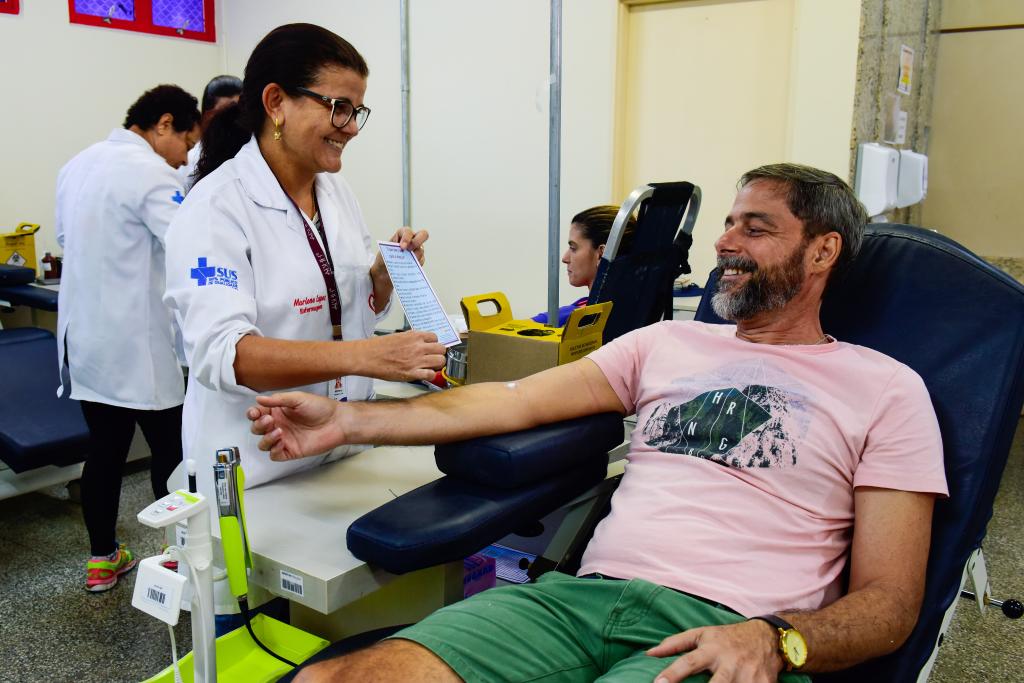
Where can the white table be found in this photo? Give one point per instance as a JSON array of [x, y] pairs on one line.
[[298, 525], [297, 530]]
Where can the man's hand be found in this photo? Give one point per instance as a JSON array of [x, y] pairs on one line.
[[747, 652], [295, 424]]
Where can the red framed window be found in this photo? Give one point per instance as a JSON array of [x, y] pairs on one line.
[[9, 6], [192, 19]]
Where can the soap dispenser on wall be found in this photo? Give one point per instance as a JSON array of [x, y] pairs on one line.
[[913, 180], [877, 177]]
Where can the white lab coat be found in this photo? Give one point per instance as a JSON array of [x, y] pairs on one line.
[[115, 201], [240, 222], [186, 171]]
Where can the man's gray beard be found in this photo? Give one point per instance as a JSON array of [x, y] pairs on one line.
[[766, 290]]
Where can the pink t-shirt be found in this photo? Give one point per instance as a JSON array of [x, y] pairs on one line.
[[739, 485]]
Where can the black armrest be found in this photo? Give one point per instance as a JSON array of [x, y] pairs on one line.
[[15, 275], [455, 516], [30, 295], [508, 461]]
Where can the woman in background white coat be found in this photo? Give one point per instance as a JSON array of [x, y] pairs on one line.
[[271, 269], [115, 201]]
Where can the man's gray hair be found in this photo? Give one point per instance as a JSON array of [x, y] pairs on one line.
[[822, 201]]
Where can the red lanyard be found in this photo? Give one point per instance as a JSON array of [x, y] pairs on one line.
[[326, 265]]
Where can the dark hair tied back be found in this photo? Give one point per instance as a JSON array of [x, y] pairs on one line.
[[223, 138]]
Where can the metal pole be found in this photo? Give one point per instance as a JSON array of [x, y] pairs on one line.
[[403, 20], [204, 631], [406, 172], [554, 159]]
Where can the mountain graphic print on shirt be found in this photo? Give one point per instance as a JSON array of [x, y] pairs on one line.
[[748, 415]]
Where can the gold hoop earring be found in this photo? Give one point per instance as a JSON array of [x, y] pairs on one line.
[[277, 129]]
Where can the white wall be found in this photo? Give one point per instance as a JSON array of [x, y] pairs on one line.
[[713, 89], [975, 173], [479, 113], [826, 38], [480, 138], [65, 86]]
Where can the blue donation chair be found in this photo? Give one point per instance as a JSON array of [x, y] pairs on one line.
[[37, 429], [912, 294], [639, 280], [958, 322]]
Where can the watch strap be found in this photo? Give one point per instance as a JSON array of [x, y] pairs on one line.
[[775, 620]]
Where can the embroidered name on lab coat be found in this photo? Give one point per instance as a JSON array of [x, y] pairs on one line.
[[310, 304]]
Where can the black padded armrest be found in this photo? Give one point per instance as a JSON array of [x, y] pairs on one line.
[[494, 484], [449, 519], [15, 275], [30, 295], [508, 461]]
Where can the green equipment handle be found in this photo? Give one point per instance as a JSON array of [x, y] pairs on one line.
[[234, 555], [235, 542]]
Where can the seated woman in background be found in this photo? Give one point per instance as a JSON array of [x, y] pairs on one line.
[[587, 236]]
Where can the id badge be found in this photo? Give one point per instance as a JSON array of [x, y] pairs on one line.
[[336, 389]]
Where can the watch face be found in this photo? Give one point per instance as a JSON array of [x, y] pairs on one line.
[[795, 647]]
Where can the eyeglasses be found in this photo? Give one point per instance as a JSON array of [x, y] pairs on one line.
[[342, 110]]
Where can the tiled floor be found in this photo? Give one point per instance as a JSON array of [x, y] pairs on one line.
[[52, 630]]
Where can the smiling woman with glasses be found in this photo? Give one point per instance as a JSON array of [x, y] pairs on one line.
[[273, 275]]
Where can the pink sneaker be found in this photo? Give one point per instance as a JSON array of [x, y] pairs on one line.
[[101, 572]]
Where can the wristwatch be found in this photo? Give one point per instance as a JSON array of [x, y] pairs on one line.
[[792, 645]]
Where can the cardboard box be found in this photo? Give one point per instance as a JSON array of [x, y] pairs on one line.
[[18, 248], [502, 349]]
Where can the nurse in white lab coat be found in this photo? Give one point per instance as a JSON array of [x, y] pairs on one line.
[[219, 93], [115, 201], [267, 239]]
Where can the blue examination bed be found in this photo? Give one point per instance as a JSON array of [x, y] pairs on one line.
[[37, 429]]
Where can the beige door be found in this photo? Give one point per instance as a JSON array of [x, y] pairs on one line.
[[703, 96]]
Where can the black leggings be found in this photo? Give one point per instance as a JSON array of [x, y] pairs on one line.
[[110, 436]]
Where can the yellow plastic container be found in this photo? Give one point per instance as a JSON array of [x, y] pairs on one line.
[[502, 349], [18, 248], [240, 660]]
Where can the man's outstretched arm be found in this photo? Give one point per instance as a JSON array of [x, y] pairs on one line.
[[891, 538], [295, 425]]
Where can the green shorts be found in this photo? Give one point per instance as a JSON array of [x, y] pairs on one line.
[[567, 629]]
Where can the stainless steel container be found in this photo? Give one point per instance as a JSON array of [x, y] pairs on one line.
[[456, 361]]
